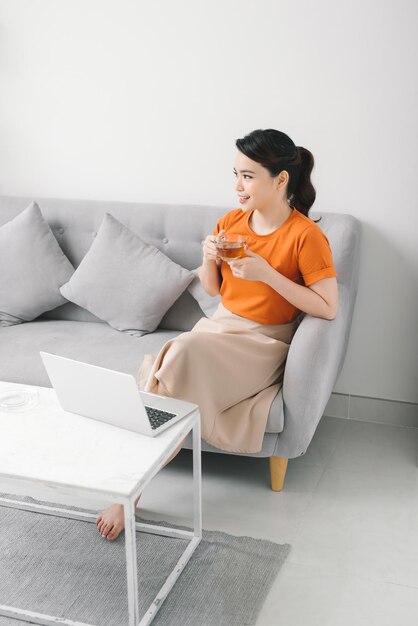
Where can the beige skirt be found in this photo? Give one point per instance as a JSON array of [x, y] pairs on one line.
[[231, 367]]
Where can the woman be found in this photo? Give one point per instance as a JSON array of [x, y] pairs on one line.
[[232, 364]]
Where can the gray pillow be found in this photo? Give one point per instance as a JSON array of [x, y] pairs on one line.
[[207, 303], [124, 281], [32, 268]]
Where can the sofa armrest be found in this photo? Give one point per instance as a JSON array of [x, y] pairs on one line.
[[314, 361]]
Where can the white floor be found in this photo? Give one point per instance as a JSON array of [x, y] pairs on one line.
[[349, 510]]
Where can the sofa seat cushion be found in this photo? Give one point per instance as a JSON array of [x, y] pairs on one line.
[[94, 343]]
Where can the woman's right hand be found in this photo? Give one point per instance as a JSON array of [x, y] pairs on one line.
[[210, 252]]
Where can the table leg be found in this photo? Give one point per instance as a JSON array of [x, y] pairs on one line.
[[131, 566], [197, 480]]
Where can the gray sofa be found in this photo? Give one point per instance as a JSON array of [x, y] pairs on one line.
[[315, 357]]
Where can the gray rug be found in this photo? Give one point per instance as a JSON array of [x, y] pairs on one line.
[[63, 567]]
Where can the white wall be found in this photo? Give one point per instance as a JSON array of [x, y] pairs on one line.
[[125, 100]]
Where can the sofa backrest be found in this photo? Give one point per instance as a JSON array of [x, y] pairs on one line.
[[177, 230]]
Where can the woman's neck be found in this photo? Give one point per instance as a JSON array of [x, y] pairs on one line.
[[266, 221]]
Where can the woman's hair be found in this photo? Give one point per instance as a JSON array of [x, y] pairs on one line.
[[275, 151]]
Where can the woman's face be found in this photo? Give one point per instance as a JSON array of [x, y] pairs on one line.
[[255, 186]]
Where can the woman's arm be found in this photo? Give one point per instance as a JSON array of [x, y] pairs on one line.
[[319, 299], [210, 277], [210, 274]]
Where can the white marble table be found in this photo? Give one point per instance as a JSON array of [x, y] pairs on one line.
[[59, 457]]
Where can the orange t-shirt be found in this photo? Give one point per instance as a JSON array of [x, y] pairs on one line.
[[298, 249]]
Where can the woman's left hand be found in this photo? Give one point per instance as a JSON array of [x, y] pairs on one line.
[[251, 267]]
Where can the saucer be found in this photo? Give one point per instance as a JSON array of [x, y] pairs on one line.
[[18, 399]]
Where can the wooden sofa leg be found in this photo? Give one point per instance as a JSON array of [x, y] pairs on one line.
[[278, 467]]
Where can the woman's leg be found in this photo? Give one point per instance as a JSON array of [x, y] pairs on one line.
[[111, 522]]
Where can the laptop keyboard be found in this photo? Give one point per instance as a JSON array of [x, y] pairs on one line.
[[157, 417]]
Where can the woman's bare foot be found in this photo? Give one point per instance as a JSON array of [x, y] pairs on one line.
[[111, 522]]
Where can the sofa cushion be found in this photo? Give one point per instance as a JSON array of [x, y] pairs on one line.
[[125, 281], [98, 344], [33, 268]]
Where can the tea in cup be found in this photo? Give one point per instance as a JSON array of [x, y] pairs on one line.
[[230, 246]]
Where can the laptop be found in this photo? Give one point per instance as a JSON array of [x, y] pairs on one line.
[[112, 397]]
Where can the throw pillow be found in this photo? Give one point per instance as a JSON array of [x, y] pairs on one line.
[[207, 303], [124, 281], [32, 268]]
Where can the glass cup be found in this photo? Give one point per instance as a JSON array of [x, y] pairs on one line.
[[230, 246]]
